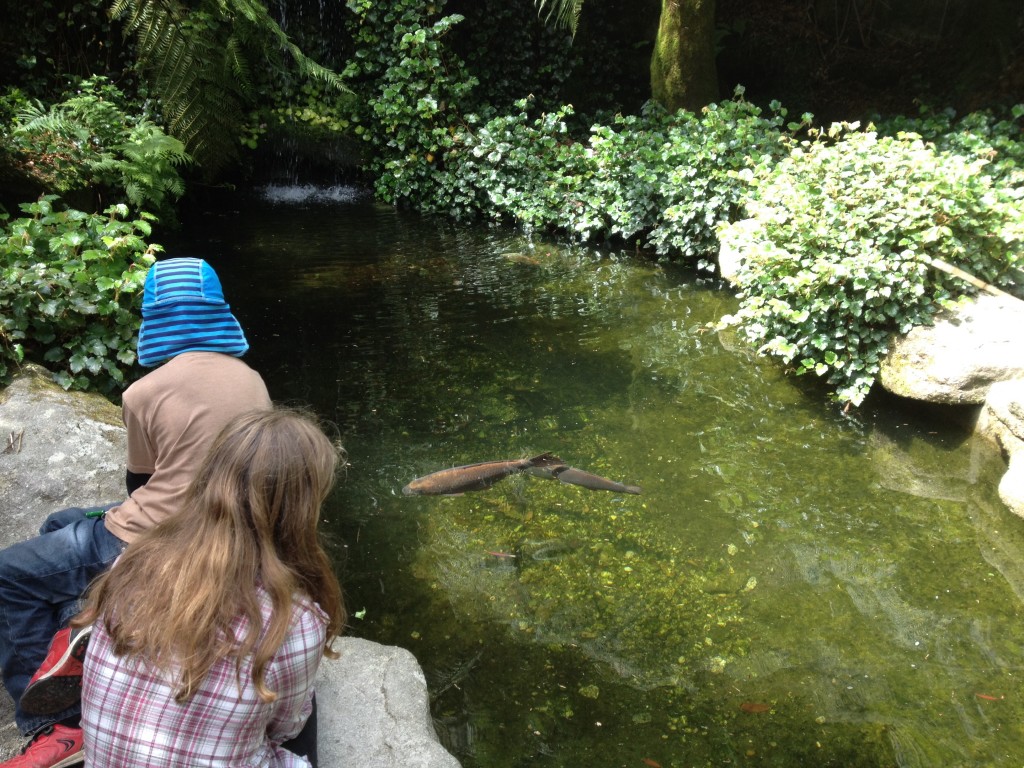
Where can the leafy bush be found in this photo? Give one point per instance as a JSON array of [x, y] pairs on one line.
[[89, 140], [842, 233], [982, 134], [662, 179], [672, 177], [71, 291], [411, 89], [516, 168]]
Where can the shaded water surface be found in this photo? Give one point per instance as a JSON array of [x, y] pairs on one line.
[[793, 587]]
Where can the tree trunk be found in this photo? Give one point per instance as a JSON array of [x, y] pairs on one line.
[[683, 74]]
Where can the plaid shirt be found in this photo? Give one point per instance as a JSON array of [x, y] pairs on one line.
[[130, 718]]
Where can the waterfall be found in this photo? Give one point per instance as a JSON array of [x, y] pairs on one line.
[[306, 194]]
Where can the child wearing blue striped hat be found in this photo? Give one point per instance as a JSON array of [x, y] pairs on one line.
[[183, 310], [172, 415]]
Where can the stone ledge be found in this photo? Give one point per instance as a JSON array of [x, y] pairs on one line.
[[1002, 420]]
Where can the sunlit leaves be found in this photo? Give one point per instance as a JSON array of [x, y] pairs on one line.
[[70, 288], [838, 247]]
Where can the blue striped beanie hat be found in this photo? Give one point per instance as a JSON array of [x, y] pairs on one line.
[[183, 310]]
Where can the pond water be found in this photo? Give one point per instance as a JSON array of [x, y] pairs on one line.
[[794, 586]]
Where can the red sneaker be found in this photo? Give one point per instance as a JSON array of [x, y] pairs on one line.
[[57, 684], [55, 746]]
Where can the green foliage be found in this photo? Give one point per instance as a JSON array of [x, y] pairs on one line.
[[90, 140], [673, 176], [70, 293], [663, 180], [841, 232], [565, 13], [47, 43], [12, 102], [537, 60], [516, 168], [310, 109], [411, 92], [199, 59], [983, 134]]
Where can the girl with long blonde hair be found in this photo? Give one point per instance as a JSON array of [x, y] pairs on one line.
[[208, 631]]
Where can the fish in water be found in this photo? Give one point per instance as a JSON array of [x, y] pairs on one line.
[[573, 476], [542, 551], [475, 477], [522, 258]]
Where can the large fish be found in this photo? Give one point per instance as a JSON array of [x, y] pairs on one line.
[[475, 477], [573, 476]]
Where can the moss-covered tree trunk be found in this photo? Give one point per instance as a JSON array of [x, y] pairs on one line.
[[683, 74]]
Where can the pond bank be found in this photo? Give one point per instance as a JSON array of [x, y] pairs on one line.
[[972, 355], [65, 449]]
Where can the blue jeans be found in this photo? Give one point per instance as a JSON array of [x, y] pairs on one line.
[[41, 583]]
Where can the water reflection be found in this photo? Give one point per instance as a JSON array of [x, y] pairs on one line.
[[794, 587]]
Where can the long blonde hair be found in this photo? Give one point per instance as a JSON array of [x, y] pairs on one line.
[[249, 519]]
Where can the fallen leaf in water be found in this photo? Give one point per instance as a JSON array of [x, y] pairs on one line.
[[755, 707]]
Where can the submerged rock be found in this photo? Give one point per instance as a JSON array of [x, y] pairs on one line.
[[973, 354]]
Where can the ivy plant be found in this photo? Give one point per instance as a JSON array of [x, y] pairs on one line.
[[661, 180], [412, 88], [71, 291], [839, 246]]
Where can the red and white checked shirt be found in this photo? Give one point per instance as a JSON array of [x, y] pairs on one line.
[[130, 718]]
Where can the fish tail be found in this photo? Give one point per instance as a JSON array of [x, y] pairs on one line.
[[633, 489], [545, 460]]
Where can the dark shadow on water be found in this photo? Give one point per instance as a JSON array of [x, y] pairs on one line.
[[902, 418]]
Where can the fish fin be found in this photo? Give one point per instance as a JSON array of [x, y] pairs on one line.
[[634, 489], [546, 460], [548, 473]]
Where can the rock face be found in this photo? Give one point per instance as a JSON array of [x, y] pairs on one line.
[[62, 449], [59, 449], [373, 710], [972, 355], [1002, 419], [957, 359]]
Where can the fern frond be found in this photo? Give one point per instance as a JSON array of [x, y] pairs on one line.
[[198, 57], [258, 16], [238, 64], [565, 12], [35, 117]]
